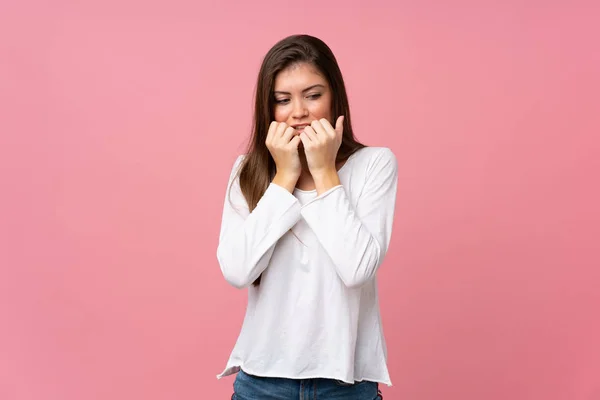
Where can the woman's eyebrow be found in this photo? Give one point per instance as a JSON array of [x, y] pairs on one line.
[[305, 90]]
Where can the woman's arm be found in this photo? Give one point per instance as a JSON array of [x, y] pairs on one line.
[[247, 239], [356, 238]]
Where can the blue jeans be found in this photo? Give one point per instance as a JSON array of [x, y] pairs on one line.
[[250, 387]]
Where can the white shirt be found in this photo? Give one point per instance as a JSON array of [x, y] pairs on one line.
[[315, 313]]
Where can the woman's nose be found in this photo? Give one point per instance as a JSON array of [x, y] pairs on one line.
[[299, 110]]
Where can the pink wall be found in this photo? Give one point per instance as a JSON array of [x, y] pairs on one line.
[[119, 122]]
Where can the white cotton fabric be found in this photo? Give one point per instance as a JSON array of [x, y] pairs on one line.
[[315, 313]]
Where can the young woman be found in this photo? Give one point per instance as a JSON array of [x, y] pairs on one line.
[[306, 224]]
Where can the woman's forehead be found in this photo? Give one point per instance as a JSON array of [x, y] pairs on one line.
[[298, 77]]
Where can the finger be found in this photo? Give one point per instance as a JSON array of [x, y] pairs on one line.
[[296, 141], [310, 133], [327, 127], [305, 139], [318, 127], [339, 125], [271, 131], [288, 133], [281, 129]]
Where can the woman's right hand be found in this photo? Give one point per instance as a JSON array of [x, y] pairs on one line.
[[282, 142]]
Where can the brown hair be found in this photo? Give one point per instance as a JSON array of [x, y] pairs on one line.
[[258, 167]]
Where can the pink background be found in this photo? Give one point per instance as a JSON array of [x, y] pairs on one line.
[[120, 120]]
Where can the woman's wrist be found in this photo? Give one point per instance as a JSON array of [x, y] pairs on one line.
[[286, 180], [325, 179]]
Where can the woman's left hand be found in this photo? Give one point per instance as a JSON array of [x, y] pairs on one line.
[[321, 143]]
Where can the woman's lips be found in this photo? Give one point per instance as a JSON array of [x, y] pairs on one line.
[[300, 128]]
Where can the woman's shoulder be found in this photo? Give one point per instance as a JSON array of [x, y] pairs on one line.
[[239, 159], [238, 162], [236, 167], [376, 151], [375, 157]]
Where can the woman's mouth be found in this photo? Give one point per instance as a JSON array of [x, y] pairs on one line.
[[300, 128]]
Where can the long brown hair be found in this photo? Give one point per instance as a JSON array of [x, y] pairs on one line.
[[258, 167]]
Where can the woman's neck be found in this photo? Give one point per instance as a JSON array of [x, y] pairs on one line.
[[305, 181]]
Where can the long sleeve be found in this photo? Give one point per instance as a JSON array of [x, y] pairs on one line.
[[357, 238], [247, 239]]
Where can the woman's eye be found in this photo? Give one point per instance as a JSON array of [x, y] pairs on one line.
[[314, 96], [282, 101]]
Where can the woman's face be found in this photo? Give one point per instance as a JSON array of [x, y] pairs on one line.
[[302, 95]]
